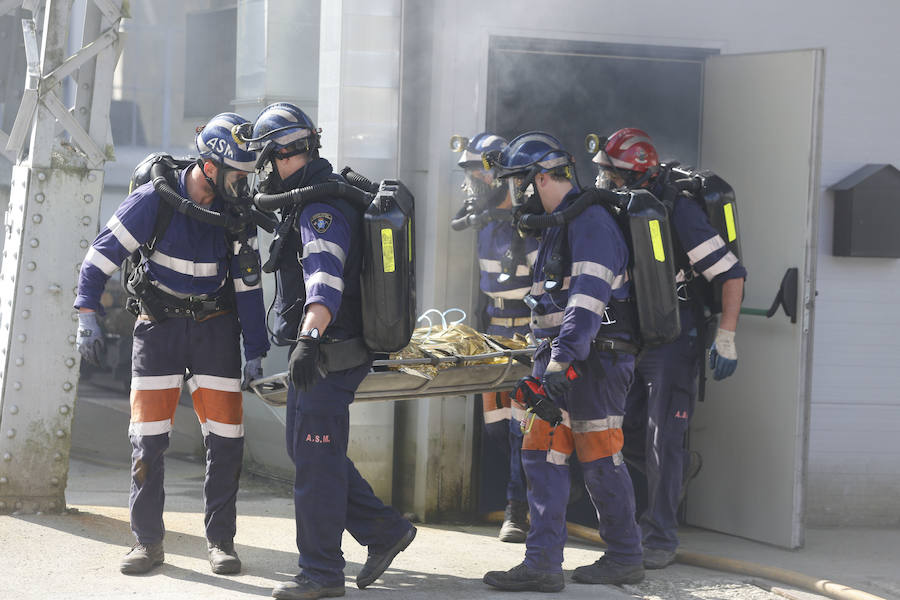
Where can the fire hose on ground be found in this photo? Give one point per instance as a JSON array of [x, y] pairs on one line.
[[825, 587]]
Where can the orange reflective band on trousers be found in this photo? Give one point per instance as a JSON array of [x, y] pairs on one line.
[[495, 406], [593, 445], [539, 438], [149, 406]]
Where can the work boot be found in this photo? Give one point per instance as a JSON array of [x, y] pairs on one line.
[[141, 558], [301, 587], [525, 579], [515, 522], [606, 570], [376, 564], [657, 558], [223, 559]]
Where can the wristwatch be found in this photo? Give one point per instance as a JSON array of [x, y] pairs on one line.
[[310, 333]]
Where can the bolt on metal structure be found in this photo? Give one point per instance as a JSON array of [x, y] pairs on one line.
[[53, 211]]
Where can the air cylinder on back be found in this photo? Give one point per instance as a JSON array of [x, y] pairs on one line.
[[388, 278], [653, 270]]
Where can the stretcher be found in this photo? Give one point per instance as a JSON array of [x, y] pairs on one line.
[[455, 376]]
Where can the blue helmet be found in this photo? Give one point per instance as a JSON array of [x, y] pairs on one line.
[[526, 156], [471, 150], [482, 187], [283, 128], [221, 142]]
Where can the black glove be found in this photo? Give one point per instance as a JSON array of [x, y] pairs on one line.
[[530, 393], [558, 379], [304, 363]]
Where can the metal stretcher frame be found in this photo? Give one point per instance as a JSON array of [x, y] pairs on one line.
[[459, 379]]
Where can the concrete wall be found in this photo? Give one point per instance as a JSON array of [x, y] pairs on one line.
[[854, 461]]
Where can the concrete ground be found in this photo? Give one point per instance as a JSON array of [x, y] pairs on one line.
[[76, 555]]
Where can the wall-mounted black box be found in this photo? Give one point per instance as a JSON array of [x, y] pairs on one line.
[[867, 213]]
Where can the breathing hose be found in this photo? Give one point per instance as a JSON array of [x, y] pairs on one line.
[[464, 219], [587, 198], [825, 587], [194, 211], [331, 189]]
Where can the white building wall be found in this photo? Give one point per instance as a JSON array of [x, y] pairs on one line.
[[854, 460]]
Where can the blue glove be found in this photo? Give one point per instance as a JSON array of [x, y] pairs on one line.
[[89, 340], [723, 355], [252, 370]]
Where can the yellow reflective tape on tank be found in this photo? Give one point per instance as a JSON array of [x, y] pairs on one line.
[[656, 239], [729, 221], [387, 250]]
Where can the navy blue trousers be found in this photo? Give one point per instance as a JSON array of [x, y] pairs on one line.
[[658, 411], [330, 495], [593, 411], [161, 355]]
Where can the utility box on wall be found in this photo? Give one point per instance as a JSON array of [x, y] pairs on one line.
[[866, 211]]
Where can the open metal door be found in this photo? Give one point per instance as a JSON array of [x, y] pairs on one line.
[[761, 122]]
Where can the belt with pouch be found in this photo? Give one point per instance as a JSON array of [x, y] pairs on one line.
[[510, 321]]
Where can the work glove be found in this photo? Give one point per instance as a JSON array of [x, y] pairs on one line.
[[252, 370], [557, 380], [89, 340], [530, 393], [304, 363], [723, 355]]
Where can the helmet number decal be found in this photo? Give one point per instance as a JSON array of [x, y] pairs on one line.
[[221, 147]]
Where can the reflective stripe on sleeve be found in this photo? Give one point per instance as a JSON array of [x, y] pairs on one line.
[[587, 302], [320, 245], [547, 321], [722, 265], [121, 233], [324, 278], [701, 251], [586, 267], [96, 258]]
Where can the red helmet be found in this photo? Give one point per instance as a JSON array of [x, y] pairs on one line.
[[630, 149]]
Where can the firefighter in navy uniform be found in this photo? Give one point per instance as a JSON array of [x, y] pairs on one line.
[[584, 367], [661, 401], [319, 306], [505, 259], [193, 311]]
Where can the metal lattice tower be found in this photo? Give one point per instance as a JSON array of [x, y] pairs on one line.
[[53, 211]]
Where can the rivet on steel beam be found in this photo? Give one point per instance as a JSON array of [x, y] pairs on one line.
[[54, 288], [39, 198], [77, 267], [14, 409], [67, 386], [57, 456], [71, 339], [74, 316], [11, 433], [21, 337], [17, 385], [29, 289], [54, 481], [60, 433], [26, 313], [31, 266], [42, 176], [7, 457], [70, 362], [2, 505], [83, 110], [88, 199], [64, 409], [36, 218], [20, 361], [4, 480], [34, 242], [85, 220], [84, 243], [92, 177]]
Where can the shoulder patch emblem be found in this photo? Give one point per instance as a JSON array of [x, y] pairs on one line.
[[321, 222]]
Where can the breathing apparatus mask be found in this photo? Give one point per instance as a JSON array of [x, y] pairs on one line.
[[231, 185], [278, 144]]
